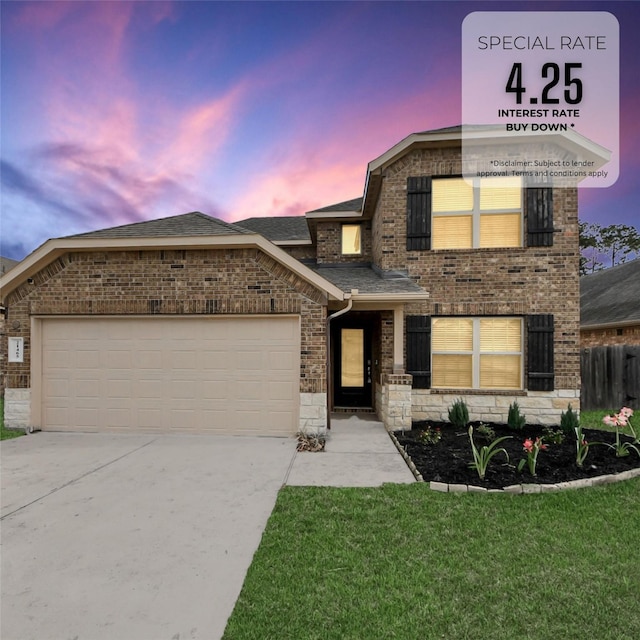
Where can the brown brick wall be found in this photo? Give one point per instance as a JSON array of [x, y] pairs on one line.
[[329, 243], [610, 337], [216, 281], [535, 280]]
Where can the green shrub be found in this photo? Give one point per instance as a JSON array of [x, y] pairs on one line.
[[515, 419], [485, 432], [459, 414], [569, 421], [553, 436]]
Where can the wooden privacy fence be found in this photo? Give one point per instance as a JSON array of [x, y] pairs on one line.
[[610, 378]]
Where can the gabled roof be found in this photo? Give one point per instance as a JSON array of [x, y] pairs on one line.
[[187, 224], [188, 231], [279, 229], [611, 296]]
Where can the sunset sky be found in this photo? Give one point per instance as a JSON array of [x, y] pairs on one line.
[[117, 112]]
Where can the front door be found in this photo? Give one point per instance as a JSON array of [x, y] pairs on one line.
[[352, 366]]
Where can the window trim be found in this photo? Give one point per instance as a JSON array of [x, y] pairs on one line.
[[476, 353], [475, 212]]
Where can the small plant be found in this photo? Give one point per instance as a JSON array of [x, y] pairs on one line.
[[430, 435], [533, 449], [582, 446], [459, 414], [482, 456], [620, 421], [515, 419], [486, 433], [569, 421], [553, 436]]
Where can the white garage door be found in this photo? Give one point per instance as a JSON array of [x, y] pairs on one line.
[[192, 375]]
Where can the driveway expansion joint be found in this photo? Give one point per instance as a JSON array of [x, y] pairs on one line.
[[74, 480]]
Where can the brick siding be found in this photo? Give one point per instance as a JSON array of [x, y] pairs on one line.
[[610, 337], [521, 281], [215, 281], [329, 243]]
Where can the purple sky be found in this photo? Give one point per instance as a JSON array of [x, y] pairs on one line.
[[117, 112]]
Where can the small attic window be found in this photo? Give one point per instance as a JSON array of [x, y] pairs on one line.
[[351, 240]]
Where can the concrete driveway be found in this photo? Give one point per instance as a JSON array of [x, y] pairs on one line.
[[130, 536]]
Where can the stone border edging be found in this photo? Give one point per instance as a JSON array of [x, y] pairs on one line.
[[515, 489]]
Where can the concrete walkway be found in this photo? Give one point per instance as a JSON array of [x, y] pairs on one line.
[[358, 453]]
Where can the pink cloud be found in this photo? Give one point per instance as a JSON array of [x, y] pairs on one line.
[[320, 167]]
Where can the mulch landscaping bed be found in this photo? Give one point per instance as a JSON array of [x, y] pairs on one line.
[[448, 460]]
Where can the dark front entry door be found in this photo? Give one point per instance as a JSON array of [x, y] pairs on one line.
[[352, 366]]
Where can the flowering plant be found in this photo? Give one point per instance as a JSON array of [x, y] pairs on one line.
[[430, 435], [620, 421], [533, 449]]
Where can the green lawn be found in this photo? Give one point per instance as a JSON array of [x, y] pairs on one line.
[[404, 562], [6, 433]]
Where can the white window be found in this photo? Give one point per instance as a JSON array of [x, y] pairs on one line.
[[476, 353], [351, 240], [487, 213]]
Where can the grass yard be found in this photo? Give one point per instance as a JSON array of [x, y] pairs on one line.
[[404, 562], [5, 434]]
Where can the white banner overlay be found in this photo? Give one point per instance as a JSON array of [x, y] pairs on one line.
[[540, 96]]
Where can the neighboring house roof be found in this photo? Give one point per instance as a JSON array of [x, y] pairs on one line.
[[611, 296], [187, 224], [280, 229], [370, 282], [6, 264]]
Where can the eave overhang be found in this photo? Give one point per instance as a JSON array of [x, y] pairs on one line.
[[55, 248], [570, 141]]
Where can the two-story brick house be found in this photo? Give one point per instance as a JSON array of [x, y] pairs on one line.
[[425, 289]]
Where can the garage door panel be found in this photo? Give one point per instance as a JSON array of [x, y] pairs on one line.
[[58, 358], [215, 390], [209, 375], [88, 389], [119, 389]]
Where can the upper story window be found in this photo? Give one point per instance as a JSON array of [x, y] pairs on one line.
[[487, 213], [351, 239]]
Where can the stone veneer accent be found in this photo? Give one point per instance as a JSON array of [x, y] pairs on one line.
[[395, 402], [539, 407], [313, 413], [17, 408]]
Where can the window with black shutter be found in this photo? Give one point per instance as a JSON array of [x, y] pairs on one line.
[[540, 371], [540, 216], [419, 350], [418, 213]]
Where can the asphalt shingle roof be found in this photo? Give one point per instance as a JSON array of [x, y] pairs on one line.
[[611, 295], [366, 279], [279, 228], [187, 224], [354, 204]]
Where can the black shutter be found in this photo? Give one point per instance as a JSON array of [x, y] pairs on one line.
[[539, 216], [419, 213], [419, 350], [540, 353]]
